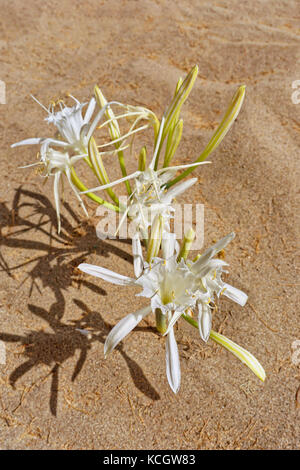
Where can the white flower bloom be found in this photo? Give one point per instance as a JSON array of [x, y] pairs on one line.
[[173, 287], [172, 362], [209, 270], [74, 129], [55, 163], [149, 197]]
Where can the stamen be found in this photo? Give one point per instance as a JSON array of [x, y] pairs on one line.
[[38, 102], [223, 290]]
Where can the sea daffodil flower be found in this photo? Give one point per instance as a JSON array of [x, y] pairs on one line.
[[55, 163], [173, 286], [150, 197], [73, 128]]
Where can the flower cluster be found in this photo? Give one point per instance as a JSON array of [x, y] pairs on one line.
[[176, 286]]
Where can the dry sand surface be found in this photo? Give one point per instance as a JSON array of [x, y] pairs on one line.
[[56, 389]]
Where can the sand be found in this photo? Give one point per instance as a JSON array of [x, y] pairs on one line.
[[56, 390]]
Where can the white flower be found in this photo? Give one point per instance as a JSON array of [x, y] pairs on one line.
[[74, 130], [150, 197], [55, 163], [173, 287]]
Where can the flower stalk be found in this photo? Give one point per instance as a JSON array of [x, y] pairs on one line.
[[242, 354], [114, 132], [82, 188], [226, 123], [99, 169], [186, 245]]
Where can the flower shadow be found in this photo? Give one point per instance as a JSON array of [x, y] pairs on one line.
[[93, 322], [31, 225], [54, 348]]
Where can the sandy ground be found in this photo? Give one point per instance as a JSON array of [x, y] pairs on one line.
[[56, 389]]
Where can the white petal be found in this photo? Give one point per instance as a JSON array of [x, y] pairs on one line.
[[176, 315], [68, 174], [168, 244], [98, 117], [223, 242], [204, 321], [114, 183], [89, 111], [106, 274], [212, 251], [138, 261], [32, 141], [210, 266], [123, 328], [172, 362], [162, 123], [176, 190], [235, 294], [181, 167]]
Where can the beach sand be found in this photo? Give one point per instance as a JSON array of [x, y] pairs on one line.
[[56, 389]]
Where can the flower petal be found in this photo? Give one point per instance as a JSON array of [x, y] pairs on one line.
[[153, 161], [106, 274], [212, 251], [138, 260], [114, 183], [89, 111], [168, 244], [176, 315], [172, 362], [123, 328], [180, 188], [210, 266], [204, 321], [235, 294], [32, 141]]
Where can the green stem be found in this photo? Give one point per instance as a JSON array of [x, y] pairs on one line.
[[242, 354], [227, 121], [79, 184], [115, 133], [123, 170], [142, 159], [161, 321]]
